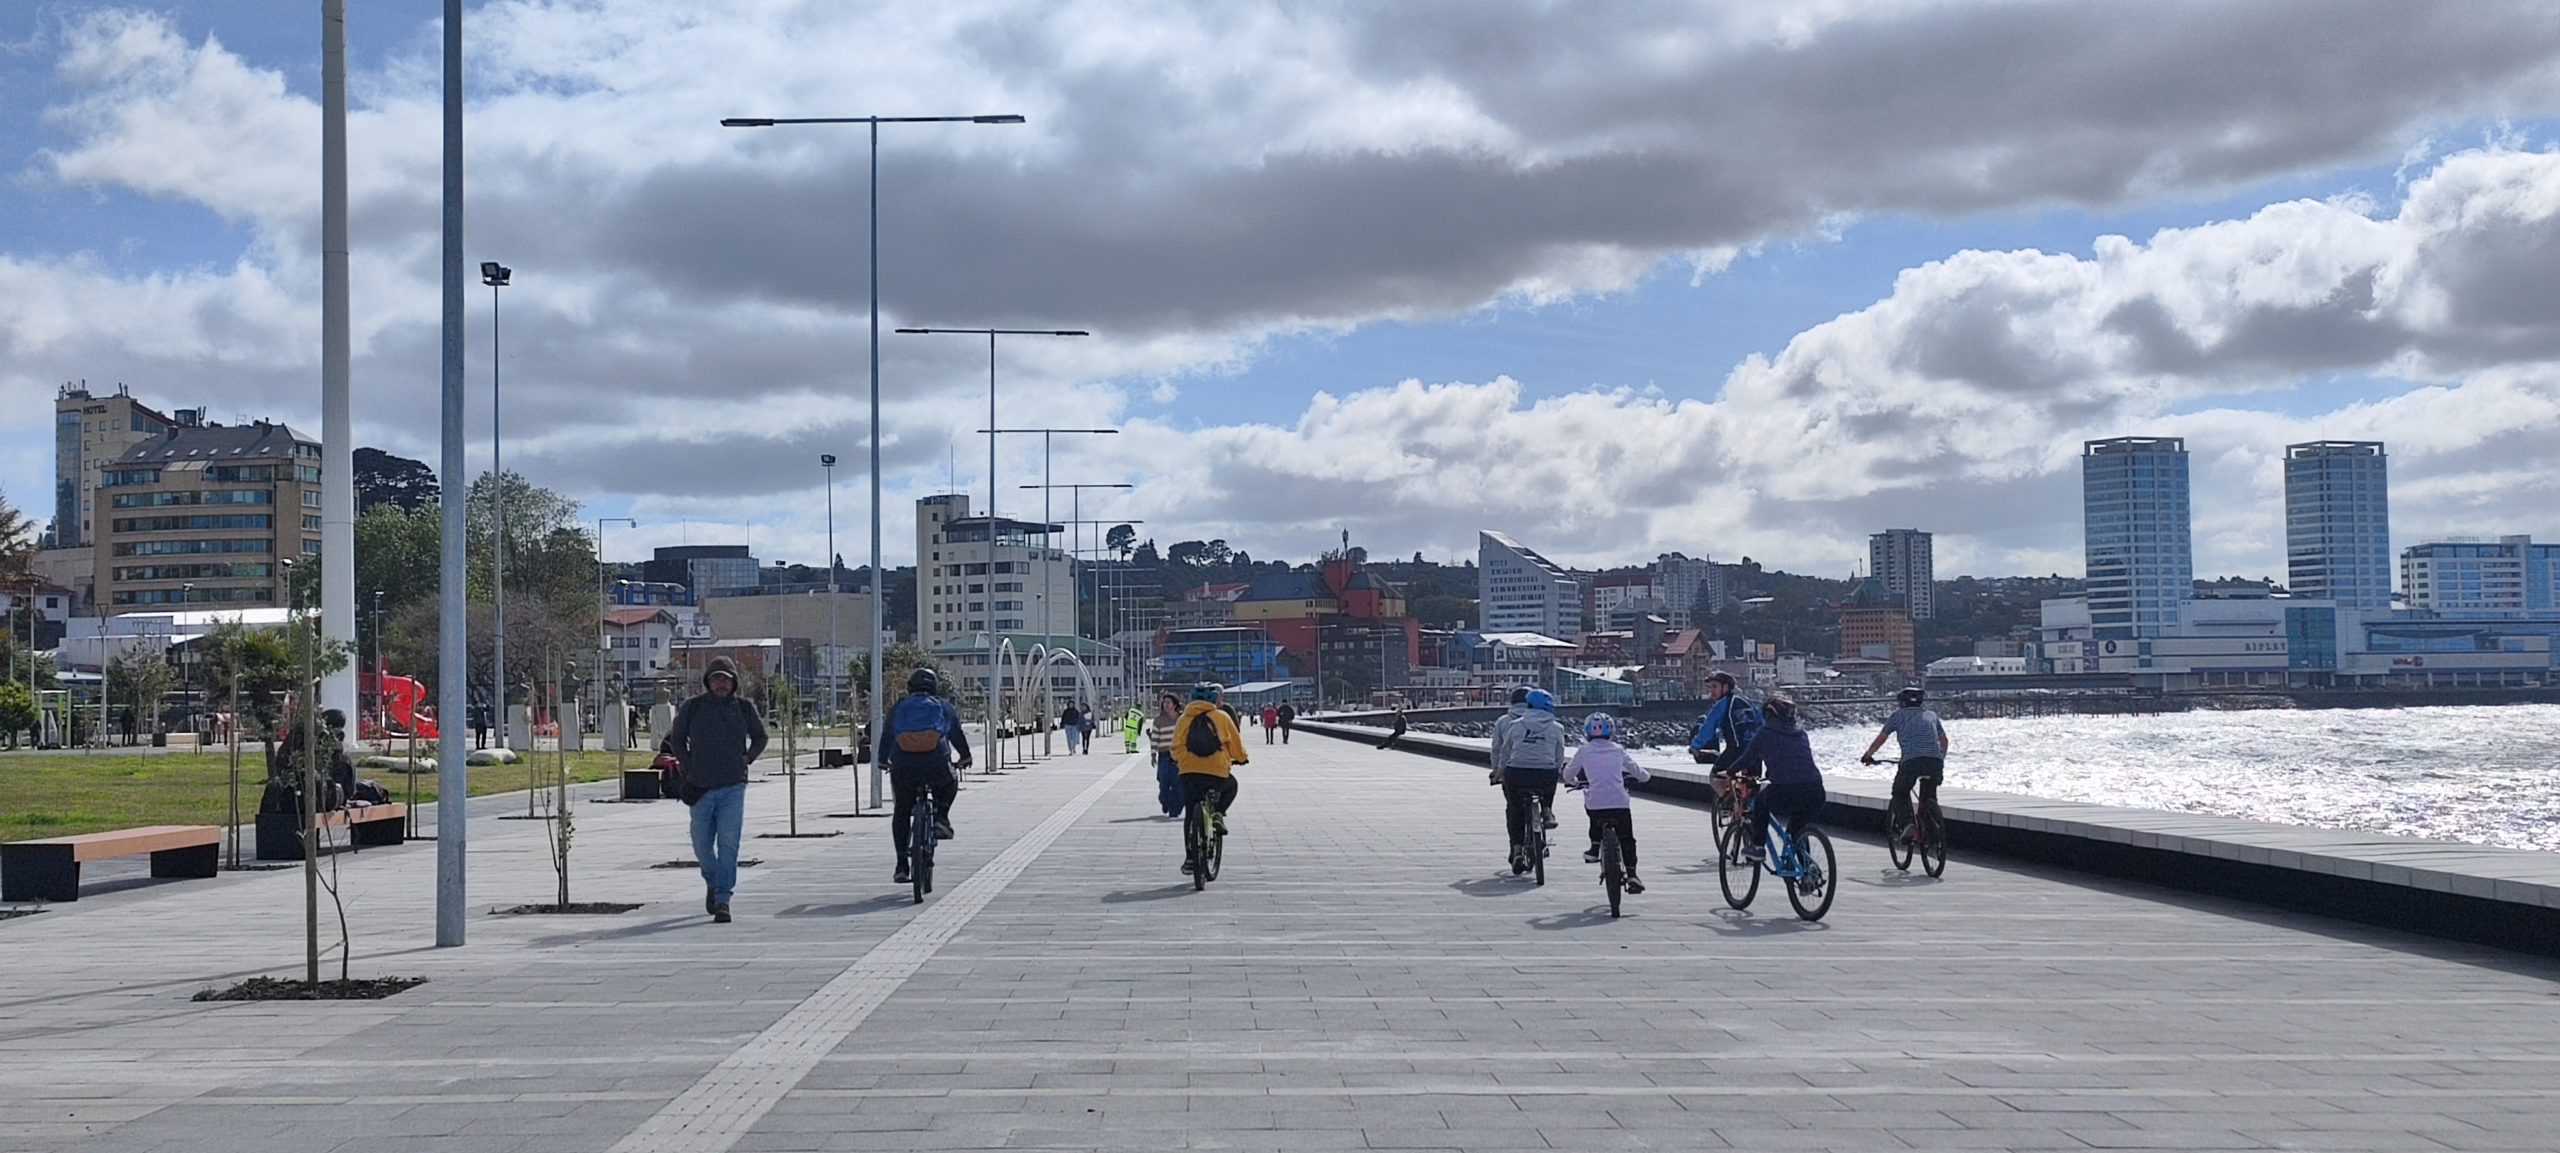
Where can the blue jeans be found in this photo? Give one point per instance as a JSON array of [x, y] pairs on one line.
[[1168, 785], [718, 819]]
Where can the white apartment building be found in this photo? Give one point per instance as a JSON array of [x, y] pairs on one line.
[[2508, 576], [1900, 558], [1519, 591], [1031, 588]]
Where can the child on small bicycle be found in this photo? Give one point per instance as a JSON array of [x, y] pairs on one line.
[[1782, 757], [1602, 769]]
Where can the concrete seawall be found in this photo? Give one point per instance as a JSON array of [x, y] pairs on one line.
[[2509, 898]]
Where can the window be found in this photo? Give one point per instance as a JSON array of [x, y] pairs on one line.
[[191, 523], [311, 524]]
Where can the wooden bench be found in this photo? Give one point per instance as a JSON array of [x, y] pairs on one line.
[[367, 826], [49, 869]]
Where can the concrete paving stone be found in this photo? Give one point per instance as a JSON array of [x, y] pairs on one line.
[[1355, 974]]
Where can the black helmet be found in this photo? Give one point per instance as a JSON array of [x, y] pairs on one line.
[[923, 681], [1780, 707], [1520, 694], [1909, 698], [1721, 677]]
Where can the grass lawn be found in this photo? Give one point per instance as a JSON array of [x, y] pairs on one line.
[[57, 794]]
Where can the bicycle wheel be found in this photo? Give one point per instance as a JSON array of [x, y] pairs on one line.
[[1217, 848], [1899, 846], [1719, 812], [1812, 889], [1739, 880], [1613, 873], [1538, 841], [1933, 845], [1195, 839], [920, 851]]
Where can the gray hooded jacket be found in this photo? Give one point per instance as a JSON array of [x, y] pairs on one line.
[[716, 738]]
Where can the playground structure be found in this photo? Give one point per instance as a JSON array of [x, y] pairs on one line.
[[399, 708]]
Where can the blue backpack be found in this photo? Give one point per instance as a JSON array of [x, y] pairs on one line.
[[918, 723]]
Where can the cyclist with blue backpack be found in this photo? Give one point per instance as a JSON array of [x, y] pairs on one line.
[[927, 751]]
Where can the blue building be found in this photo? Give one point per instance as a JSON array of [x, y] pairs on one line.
[[2140, 556], [2337, 523], [2508, 577]]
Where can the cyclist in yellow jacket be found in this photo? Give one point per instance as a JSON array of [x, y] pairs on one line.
[[1208, 776]]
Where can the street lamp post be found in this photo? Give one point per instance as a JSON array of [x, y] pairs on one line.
[[1048, 437], [381, 711], [497, 276], [835, 640], [995, 690], [871, 715]]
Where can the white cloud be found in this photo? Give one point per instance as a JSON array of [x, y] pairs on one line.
[[1197, 179]]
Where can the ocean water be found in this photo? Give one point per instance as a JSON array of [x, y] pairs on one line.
[[2486, 775]]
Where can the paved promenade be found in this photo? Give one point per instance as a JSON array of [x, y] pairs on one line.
[[1367, 976]]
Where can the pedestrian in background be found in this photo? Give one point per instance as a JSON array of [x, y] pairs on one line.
[[716, 735], [1288, 719], [1160, 735]]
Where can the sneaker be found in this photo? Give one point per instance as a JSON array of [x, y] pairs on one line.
[[1186, 868], [1519, 860], [1218, 822], [1751, 854], [1591, 856], [1551, 820], [720, 913], [903, 875], [1634, 885], [710, 900], [942, 831]]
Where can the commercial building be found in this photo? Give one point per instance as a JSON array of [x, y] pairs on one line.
[[90, 433], [1233, 655], [2510, 576], [1519, 591], [2140, 554], [1876, 626], [1611, 589], [204, 514], [833, 624], [1687, 585], [639, 643], [707, 569], [1900, 557], [1032, 589], [2337, 523]]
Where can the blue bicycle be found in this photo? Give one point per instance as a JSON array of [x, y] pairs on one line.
[[1799, 856]]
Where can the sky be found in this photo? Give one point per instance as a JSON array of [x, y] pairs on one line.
[[1727, 278]]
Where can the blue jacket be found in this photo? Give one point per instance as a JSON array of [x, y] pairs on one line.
[[1731, 723], [1782, 755]]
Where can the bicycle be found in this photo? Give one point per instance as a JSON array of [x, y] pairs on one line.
[[1924, 835], [1801, 857], [1613, 869], [1204, 841], [1732, 807], [920, 842]]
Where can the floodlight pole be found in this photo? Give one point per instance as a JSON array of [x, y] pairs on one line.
[[873, 712]]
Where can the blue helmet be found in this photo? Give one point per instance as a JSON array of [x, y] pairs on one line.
[[1599, 727], [1208, 691], [1541, 700]]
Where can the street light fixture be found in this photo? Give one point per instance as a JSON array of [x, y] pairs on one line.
[[995, 692], [871, 715], [497, 276]]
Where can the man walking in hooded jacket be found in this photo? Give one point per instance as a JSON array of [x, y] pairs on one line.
[[716, 735]]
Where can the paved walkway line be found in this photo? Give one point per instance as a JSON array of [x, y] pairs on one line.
[[711, 1116]]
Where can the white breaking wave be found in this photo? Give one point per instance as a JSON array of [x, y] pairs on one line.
[[2485, 775]]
